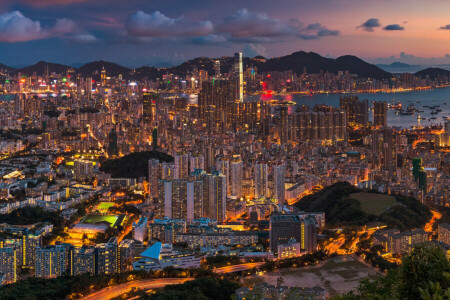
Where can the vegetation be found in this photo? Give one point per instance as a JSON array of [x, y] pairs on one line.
[[220, 261], [424, 274], [199, 289], [372, 203], [342, 210], [30, 215], [133, 165]]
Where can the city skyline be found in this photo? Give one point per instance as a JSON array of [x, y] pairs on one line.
[[166, 33]]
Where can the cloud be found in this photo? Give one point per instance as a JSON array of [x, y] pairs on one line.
[[403, 55], [15, 27], [252, 50], [208, 39], [370, 24], [245, 24], [446, 27], [157, 24], [83, 38], [316, 30], [394, 27]]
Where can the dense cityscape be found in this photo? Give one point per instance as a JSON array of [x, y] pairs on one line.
[[223, 178]]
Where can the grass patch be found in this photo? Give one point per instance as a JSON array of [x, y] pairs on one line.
[[92, 219], [374, 204], [104, 206]]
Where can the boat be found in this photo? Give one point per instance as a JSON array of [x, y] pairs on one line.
[[433, 118], [434, 112]]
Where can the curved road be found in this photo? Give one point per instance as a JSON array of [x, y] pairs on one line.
[[146, 284]]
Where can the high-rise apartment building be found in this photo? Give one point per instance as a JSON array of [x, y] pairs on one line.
[[236, 176], [261, 179], [380, 114], [82, 260], [149, 108], [279, 175], [52, 261], [181, 162], [8, 264], [106, 257]]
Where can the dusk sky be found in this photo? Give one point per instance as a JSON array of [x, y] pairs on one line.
[[156, 32]]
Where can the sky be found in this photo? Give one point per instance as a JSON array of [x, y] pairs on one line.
[[167, 32]]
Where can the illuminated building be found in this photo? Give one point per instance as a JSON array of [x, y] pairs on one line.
[[320, 125], [223, 166], [196, 162], [357, 111], [236, 176], [287, 226], [214, 195], [106, 257], [239, 77], [160, 256], [284, 125], [82, 260], [181, 162], [261, 180], [444, 233], [149, 108], [103, 77], [216, 68], [154, 173], [165, 230], [113, 149], [8, 264], [380, 114], [404, 242], [140, 229], [194, 240], [279, 175], [180, 199], [52, 261], [126, 255], [291, 249]]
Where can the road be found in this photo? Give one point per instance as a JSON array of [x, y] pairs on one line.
[[237, 268], [117, 290]]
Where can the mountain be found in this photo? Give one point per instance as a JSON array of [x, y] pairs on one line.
[[313, 63], [396, 64], [7, 68], [95, 68], [42, 67], [432, 73]]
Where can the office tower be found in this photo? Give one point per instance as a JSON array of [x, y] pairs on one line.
[[223, 166], [140, 229], [155, 139], [154, 173], [8, 264], [284, 125], [417, 167], [126, 255], [216, 68], [82, 260], [196, 162], [181, 162], [261, 180], [236, 176], [423, 180], [106, 257], [239, 76], [52, 261], [103, 77], [287, 226], [284, 227], [181, 199], [380, 114], [113, 149], [308, 241], [391, 141], [279, 174], [357, 111], [149, 108]]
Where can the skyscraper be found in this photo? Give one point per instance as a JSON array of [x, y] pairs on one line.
[[82, 260], [236, 176], [357, 111], [106, 257], [149, 107], [181, 162], [239, 76], [284, 125], [261, 180], [8, 264], [217, 68], [380, 114], [52, 261], [279, 174]]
